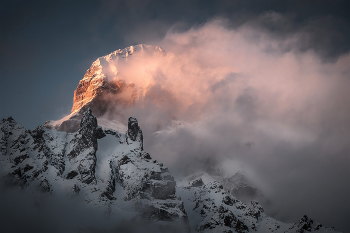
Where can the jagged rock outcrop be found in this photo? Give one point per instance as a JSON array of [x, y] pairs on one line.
[[237, 184], [197, 182], [47, 160], [134, 132], [219, 211], [84, 147], [307, 224], [133, 128]]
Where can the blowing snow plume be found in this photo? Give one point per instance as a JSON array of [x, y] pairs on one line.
[[251, 86], [213, 89]]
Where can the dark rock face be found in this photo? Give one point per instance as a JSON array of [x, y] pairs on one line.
[[37, 133], [71, 175], [85, 142], [89, 121], [229, 200], [307, 224], [134, 132], [133, 128], [100, 133], [197, 182], [255, 211], [256, 206]]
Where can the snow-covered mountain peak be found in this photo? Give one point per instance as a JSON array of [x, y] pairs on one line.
[[107, 66], [131, 50], [107, 86]]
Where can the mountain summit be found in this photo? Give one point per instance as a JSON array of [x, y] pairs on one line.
[[105, 88]]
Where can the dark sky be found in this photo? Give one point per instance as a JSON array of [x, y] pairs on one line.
[[46, 48]]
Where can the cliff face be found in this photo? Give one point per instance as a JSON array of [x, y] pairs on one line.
[[88, 88], [102, 77], [101, 88], [100, 92]]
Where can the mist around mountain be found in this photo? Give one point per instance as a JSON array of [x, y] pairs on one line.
[[99, 180], [242, 101], [215, 140]]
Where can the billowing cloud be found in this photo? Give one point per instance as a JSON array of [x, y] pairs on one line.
[[217, 88]]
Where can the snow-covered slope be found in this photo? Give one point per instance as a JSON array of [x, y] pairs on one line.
[[108, 169], [212, 209], [112, 172], [237, 184]]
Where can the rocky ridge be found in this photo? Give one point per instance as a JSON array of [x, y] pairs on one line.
[[237, 184], [216, 210], [48, 161]]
